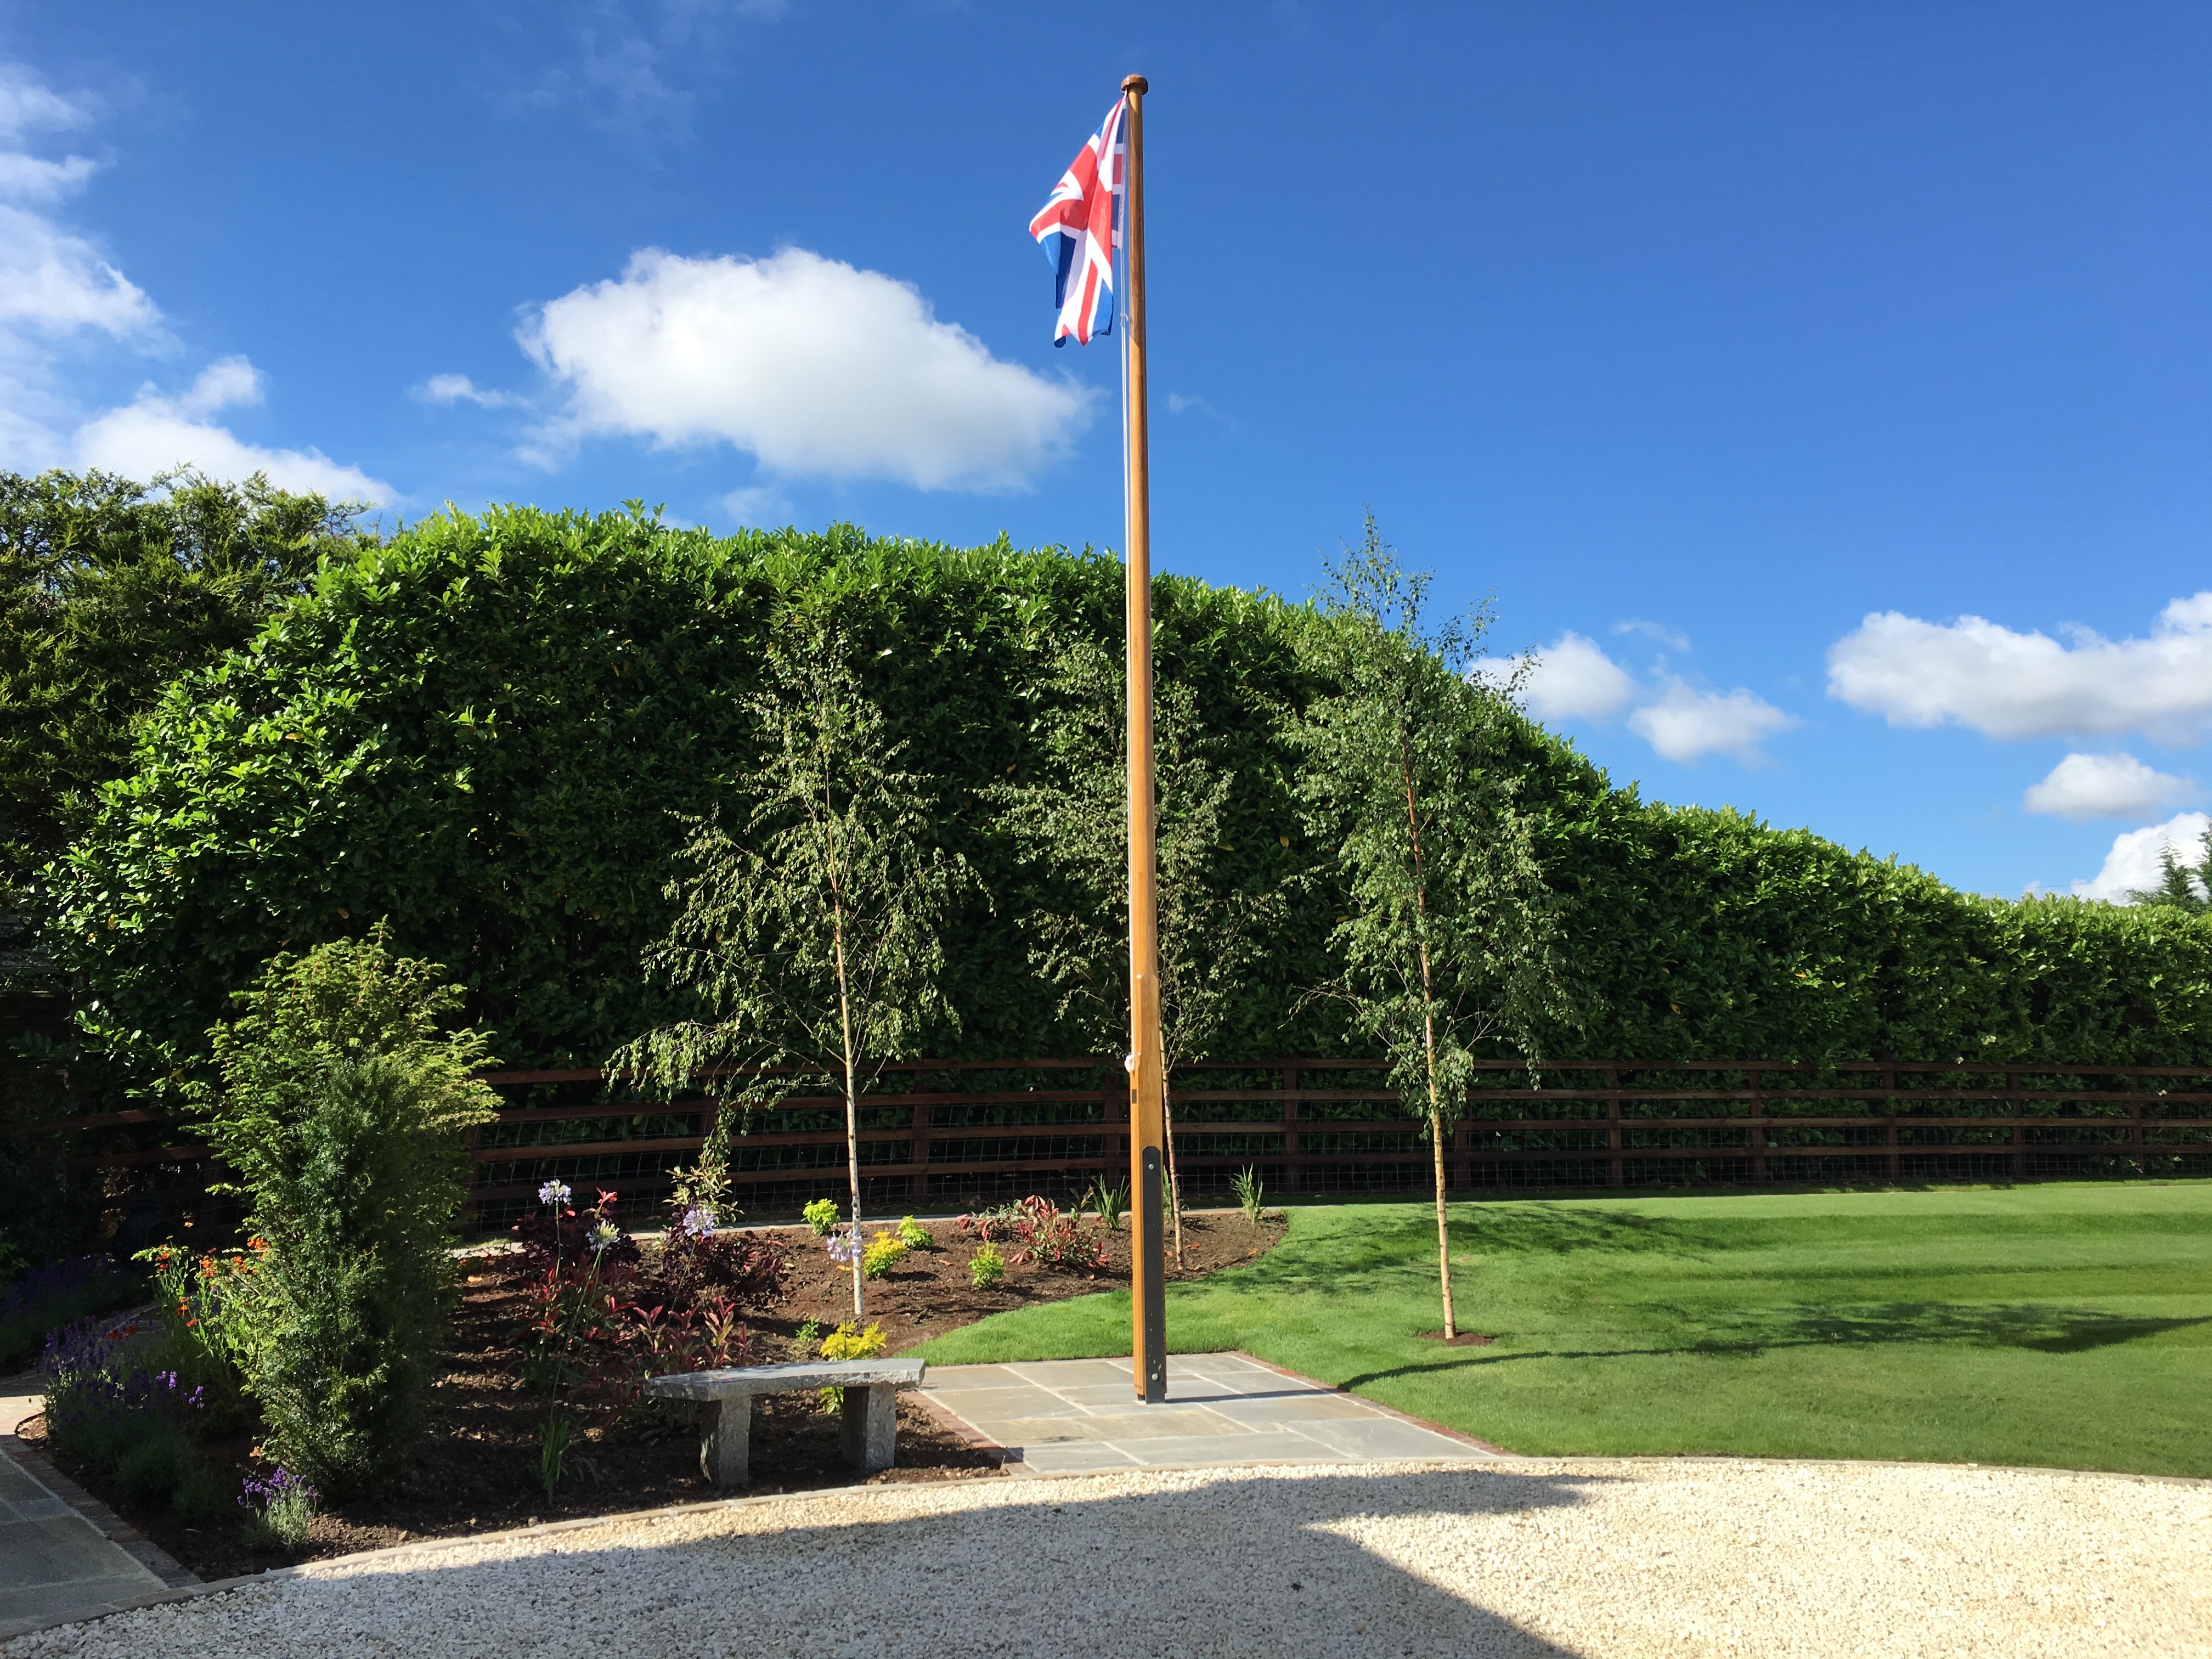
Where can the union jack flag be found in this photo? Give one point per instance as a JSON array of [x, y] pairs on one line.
[[1079, 227]]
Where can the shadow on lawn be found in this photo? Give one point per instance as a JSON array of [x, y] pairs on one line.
[[2045, 1329], [1406, 1244], [1241, 1563]]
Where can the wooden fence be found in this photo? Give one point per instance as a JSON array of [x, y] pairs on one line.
[[943, 1135]]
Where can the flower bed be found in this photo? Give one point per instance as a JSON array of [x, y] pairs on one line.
[[478, 1464]]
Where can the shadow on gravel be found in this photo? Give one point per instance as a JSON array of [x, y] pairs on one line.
[[1244, 1565]]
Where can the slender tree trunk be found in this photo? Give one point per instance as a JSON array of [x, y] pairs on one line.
[[852, 1110], [1444, 1224], [1429, 1035]]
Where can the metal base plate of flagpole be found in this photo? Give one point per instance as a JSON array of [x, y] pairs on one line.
[[1148, 1276]]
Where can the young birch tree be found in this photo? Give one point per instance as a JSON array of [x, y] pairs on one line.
[[1446, 942], [1074, 826], [814, 940]]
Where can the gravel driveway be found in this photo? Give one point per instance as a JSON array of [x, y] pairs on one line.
[[1534, 1556]]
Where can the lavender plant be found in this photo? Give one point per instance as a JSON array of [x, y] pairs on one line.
[[115, 1397], [279, 1508]]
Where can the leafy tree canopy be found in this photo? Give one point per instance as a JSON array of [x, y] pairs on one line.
[[108, 591]]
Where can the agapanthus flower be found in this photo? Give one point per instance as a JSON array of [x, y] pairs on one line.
[[553, 1191], [603, 1235], [698, 1221], [844, 1245]]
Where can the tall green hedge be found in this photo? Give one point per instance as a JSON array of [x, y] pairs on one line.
[[483, 729], [108, 589]]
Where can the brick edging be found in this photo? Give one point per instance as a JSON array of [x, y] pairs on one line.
[[104, 1521], [946, 1419]]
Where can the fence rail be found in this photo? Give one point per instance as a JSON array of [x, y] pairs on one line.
[[938, 1134]]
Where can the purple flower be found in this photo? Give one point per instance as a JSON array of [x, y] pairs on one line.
[[603, 1235], [281, 1485], [553, 1191], [699, 1221], [845, 1245]]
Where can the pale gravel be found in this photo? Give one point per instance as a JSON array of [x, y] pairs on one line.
[[1531, 1556]]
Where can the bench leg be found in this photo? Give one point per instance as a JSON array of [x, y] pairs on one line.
[[868, 1432], [726, 1446]]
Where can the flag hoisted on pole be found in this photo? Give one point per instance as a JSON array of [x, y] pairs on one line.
[[1081, 229]]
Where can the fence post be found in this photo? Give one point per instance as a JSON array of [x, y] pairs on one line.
[[2016, 1098], [1894, 1163], [1292, 1167], [471, 1138], [1612, 1175], [2135, 1123], [1758, 1125], [917, 1151]]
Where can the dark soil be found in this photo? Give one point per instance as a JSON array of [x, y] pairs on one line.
[[475, 1469]]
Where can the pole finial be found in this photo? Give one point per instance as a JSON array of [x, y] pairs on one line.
[[1135, 83]]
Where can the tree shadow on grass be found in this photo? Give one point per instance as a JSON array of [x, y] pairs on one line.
[[2042, 1328], [1241, 1563], [1393, 1244]]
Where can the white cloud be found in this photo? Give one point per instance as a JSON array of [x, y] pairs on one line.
[[2133, 864], [54, 281], [55, 287], [1572, 678], [1181, 404], [155, 434], [1976, 674], [1673, 638], [460, 389], [27, 104], [1685, 723], [815, 368], [640, 68], [32, 179], [759, 509], [2119, 785]]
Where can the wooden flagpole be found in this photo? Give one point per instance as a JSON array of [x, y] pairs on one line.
[[1148, 1335]]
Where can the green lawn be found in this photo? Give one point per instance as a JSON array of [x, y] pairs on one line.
[[2066, 1325]]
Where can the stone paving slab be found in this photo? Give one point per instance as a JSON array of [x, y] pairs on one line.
[[54, 1563], [1065, 1416]]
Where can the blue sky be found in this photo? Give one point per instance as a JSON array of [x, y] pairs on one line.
[[1822, 388]]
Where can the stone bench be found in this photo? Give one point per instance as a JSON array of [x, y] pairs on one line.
[[868, 1433]]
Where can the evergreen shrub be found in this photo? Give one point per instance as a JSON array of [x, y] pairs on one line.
[[341, 1111]]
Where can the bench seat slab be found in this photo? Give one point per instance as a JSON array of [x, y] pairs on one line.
[[778, 1379]]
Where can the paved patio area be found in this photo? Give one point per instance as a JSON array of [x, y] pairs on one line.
[[52, 1560], [1059, 1416]]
